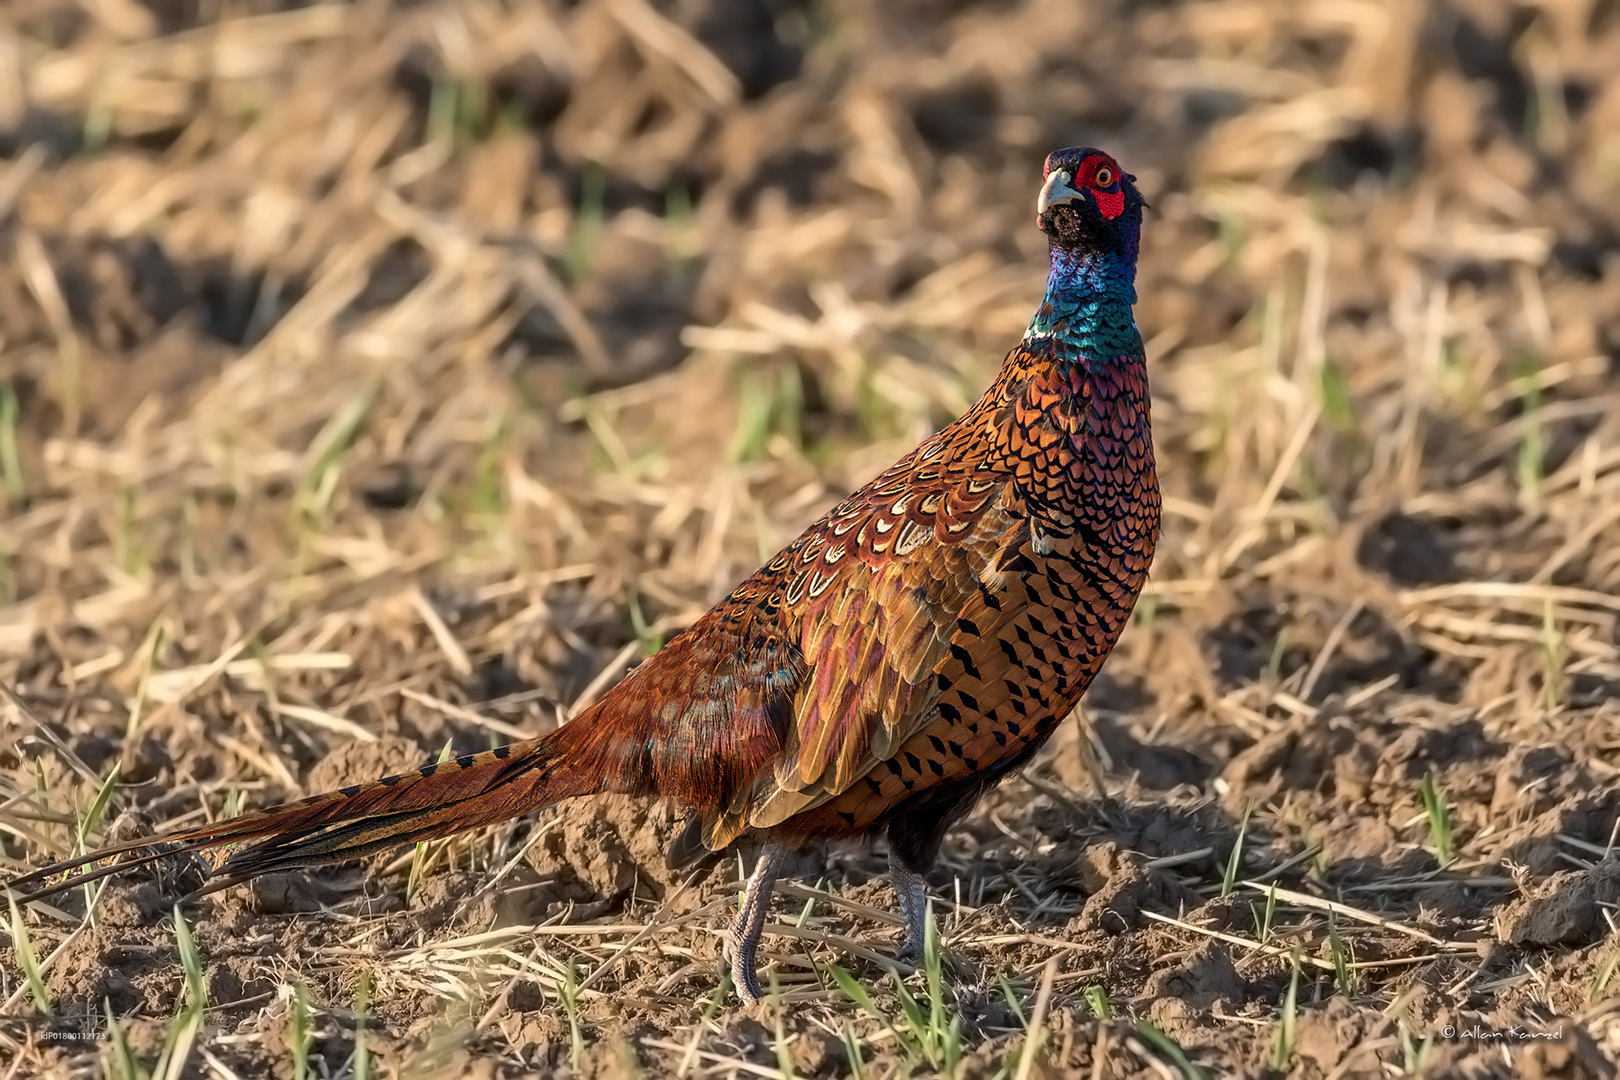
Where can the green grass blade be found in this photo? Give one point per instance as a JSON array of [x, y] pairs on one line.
[[300, 1032], [91, 818], [1282, 1045], [27, 958], [1438, 812], [1167, 1047], [1234, 861]]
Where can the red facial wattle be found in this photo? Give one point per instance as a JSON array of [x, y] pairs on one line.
[[1096, 179], [1101, 176]]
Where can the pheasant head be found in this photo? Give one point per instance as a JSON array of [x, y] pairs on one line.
[[1089, 204], [1091, 212]]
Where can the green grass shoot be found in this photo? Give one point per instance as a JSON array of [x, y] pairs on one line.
[[360, 1059], [1147, 611], [149, 656], [1267, 916], [300, 1032], [188, 1021], [12, 478], [1415, 1052], [131, 552], [1287, 1035], [122, 1064], [1234, 860], [852, 1051], [779, 1041], [651, 640], [1168, 1048], [1343, 957], [568, 998], [1438, 813], [1010, 996], [587, 231], [1338, 406], [930, 1035], [770, 413], [90, 820], [27, 958], [1597, 989], [327, 451], [711, 1009], [1279, 652], [681, 242]]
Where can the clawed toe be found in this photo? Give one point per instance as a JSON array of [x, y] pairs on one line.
[[748, 996], [912, 951]]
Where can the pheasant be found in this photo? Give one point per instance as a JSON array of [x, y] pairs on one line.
[[901, 657]]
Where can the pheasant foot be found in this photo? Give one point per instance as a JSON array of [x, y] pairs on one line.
[[742, 939]]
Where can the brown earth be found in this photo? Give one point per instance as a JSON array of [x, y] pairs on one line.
[[383, 378]]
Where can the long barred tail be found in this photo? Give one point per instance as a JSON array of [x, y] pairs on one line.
[[432, 802]]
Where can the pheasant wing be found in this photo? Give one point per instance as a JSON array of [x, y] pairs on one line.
[[881, 589]]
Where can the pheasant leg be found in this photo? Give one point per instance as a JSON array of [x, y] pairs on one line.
[[742, 940], [913, 895]]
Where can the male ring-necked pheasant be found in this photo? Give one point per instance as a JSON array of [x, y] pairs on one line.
[[878, 675]]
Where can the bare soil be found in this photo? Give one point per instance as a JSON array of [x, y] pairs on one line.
[[387, 378]]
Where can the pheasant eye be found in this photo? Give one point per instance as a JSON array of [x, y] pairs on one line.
[[1105, 176]]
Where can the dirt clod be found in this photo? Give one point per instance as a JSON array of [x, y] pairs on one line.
[[288, 892], [1121, 886], [817, 1054], [1562, 909], [1327, 1036], [1204, 980], [609, 846]]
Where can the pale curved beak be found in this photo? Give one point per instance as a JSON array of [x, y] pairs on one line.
[[1057, 190]]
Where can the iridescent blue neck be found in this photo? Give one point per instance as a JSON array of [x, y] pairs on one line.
[[1087, 307]]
